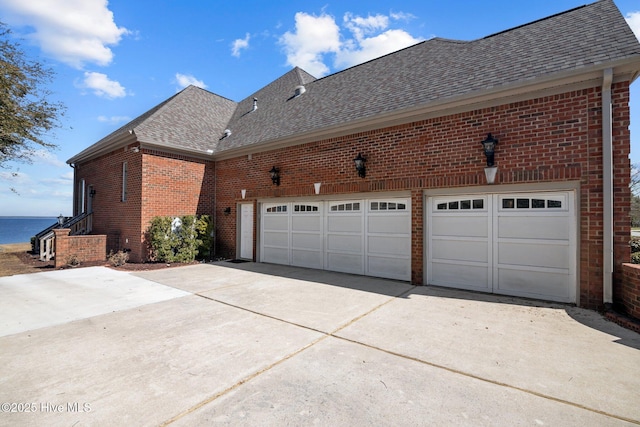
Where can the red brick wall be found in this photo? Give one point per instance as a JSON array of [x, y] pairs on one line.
[[172, 185], [175, 186], [119, 220], [87, 248], [628, 294], [550, 139]]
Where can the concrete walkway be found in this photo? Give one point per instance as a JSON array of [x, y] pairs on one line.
[[256, 344]]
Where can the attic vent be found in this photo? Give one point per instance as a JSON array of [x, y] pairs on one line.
[[255, 104], [227, 132], [300, 90]]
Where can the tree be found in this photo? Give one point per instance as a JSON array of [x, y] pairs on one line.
[[26, 114]]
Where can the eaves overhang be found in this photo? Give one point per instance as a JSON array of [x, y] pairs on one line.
[[104, 147]]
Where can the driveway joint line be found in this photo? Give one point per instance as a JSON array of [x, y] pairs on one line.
[[324, 336], [392, 353], [490, 381]]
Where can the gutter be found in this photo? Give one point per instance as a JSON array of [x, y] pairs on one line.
[[607, 188]]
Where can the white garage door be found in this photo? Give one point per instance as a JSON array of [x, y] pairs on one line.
[[516, 244], [370, 237]]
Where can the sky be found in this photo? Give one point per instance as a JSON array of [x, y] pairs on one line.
[[114, 60]]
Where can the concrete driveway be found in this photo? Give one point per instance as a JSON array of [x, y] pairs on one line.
[[256, 344]]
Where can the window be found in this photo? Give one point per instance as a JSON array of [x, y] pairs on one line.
[[346, 207], [305, 208], [277, 209], [81, 197], [464, 204], [124, 182], [388, 206], [532, 203]]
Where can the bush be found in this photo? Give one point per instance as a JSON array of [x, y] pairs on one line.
[[635, 244], [635, 258], [180, 239], [118, 259]]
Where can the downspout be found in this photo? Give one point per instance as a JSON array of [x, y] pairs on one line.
[[607, 188]]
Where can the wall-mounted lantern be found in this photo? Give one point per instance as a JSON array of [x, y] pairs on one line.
[[489, 146], [275, 175], [92, 193], [360, 167], [227, 211], [61, 220]]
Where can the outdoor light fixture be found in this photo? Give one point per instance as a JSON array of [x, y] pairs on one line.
[[227, 211], [489, 146], [92, 193], [60, 220], [359, 162], [275, 175], [491, 170]]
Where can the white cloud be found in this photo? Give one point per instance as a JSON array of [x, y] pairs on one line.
[[114, 119], [47, 158], [185, 80], [101, 85], [369, 48], [15, 178], [240, 44], [317, 39], [314, 37], [73, 31], [633, 19]]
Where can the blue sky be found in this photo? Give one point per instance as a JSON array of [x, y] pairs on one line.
[[115, 60]]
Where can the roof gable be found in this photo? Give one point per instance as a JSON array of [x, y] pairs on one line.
[[190, 120]]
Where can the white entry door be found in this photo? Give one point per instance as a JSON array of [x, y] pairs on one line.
[[520, 244], [246, 230]]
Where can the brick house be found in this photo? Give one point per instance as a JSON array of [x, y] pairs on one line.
[[549, 219]]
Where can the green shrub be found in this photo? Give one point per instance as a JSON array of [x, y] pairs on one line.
[[635, 244], [180, 239], [635, 258]]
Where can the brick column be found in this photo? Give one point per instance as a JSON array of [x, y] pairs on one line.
[[61, 246]]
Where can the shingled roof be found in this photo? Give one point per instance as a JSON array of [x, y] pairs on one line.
[[192, 121], [572, 43]]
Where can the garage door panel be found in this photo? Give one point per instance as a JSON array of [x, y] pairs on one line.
[[306, 258], [344, 243], [276, 239], [344, 223], [460, 225], [535, 284], [461, 276], [398, 246], [275, 222], [345, 263], [531, 227], [534, 254], [276, 255], [306, 241], [388, 267], [306, 223], [397, 224], [462, 250]]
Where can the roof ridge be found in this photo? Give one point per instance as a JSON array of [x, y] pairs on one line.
[[540, 20]]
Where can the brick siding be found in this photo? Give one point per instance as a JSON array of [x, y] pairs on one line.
[[158, 184], [85, 248], [628, 295]]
